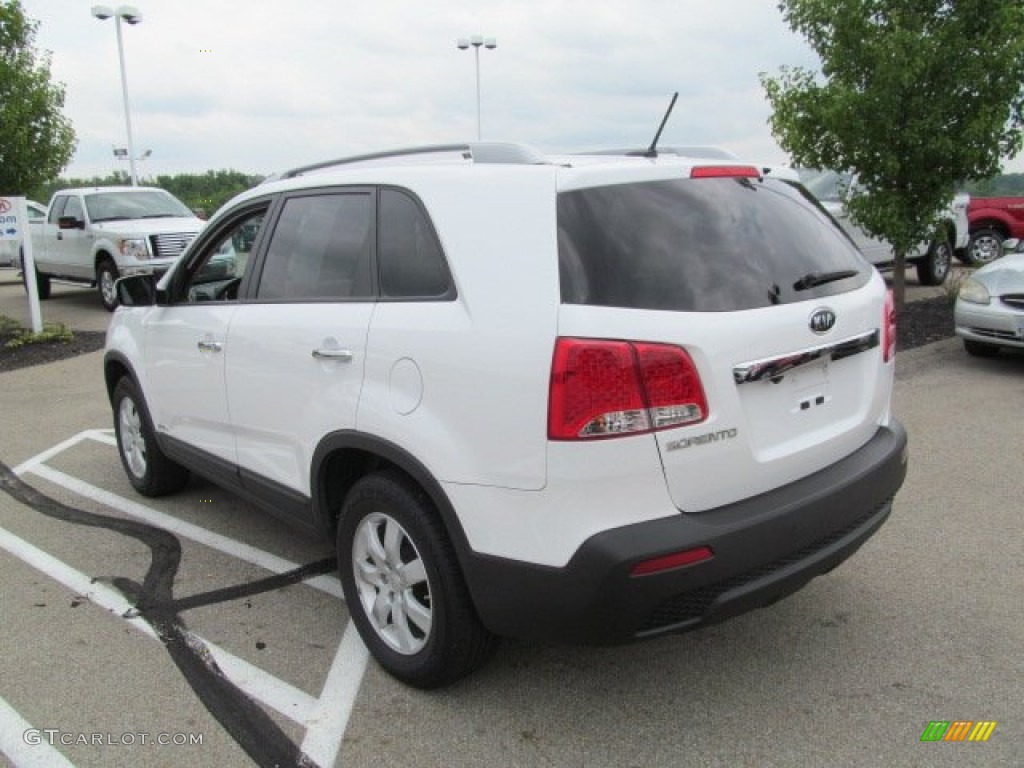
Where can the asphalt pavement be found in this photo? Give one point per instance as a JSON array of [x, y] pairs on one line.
[[201, 622]]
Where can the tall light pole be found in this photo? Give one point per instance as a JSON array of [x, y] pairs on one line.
[[476, 41], [132, 16]]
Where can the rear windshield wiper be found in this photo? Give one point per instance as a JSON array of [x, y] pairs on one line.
[[814, 279]]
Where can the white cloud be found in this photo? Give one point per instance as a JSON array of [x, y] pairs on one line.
[[259, 86]]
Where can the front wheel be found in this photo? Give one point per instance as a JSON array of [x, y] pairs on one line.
[[403, 585], [106, 277], [149, 470], [984, 246], [934, 268]]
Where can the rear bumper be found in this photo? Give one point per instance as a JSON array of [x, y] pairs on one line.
[[765, 548]]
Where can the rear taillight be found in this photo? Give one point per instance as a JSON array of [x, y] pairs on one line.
[[889, 329], [725, 172], [603, 388]]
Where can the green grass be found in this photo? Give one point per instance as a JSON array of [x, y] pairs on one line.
[[21, 336]]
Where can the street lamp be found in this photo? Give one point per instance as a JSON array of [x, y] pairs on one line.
[[476, 41], [132, 16]]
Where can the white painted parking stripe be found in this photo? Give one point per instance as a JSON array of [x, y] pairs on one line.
[[30, 464], [76, 581], [105, 436], [272, 563], [13, 730], [328, 721], [291, 702], [272, 691], [325, 718]]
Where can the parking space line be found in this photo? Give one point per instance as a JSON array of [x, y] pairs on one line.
[[326, 724], [29, 464], [76, 581], [290, 701], [14, 732], [324, 718], [228, 546]]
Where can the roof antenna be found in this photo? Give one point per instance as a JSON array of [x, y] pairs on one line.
[[652, 151]]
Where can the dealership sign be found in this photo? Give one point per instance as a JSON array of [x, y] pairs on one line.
[[10, 218]]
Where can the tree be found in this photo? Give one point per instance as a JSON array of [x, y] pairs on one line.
[[37, 140], [914, 96]]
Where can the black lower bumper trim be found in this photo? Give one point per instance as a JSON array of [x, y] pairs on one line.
[[764, 548]]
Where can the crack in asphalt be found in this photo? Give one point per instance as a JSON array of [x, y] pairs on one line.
[[246, 722]]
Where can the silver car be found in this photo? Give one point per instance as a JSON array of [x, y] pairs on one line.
[[989, 312]]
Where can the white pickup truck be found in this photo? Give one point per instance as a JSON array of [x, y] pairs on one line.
[[98, 234], [933, 258]]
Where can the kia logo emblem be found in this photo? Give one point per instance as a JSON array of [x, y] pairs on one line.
[[822, 320]]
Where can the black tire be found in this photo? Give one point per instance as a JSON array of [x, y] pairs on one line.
[[42, 282], [979, 349], [149, 470], [106, 276], [424, 631], [934, 267], [985, 245]]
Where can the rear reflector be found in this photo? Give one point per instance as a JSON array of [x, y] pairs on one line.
[[889, 329], [603, 388], [675, 560], [725, 172]]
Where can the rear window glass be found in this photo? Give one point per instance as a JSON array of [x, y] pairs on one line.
[[701, 245]]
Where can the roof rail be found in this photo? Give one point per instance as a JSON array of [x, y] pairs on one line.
[[697, 152], [474, 152]]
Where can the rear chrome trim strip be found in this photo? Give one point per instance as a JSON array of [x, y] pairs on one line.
[[776, 367]]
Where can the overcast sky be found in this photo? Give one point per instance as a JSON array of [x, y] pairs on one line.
[[260, 86]]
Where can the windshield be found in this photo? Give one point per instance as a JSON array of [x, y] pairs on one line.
[[701, 245], [141, 204], [827, 186]]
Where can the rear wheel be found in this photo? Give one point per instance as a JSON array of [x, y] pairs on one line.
[[149, 470], [984, 246], [106, 277], [978, 349], [934, 268], [403, 585]]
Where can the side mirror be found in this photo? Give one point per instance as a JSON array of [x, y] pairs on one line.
[[136, 291], [70, 222]]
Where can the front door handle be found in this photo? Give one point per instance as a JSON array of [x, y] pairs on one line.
[[206, 345], [339, 355]]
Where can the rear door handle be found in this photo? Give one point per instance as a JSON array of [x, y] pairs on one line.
[[206, 345], [339, 355]]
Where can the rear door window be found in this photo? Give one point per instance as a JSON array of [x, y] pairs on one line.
[[321, 248], [701, 245]]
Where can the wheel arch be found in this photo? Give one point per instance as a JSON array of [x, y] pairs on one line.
[[990, 222], [102, 254], [115, 367], [343, 457]]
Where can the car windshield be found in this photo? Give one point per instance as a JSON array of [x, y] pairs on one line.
[[827, 186], [141, 204]]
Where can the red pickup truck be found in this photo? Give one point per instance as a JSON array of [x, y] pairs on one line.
[[991, 221]]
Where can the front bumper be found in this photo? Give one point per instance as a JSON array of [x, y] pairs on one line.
[[993, 323], [765, 548]]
